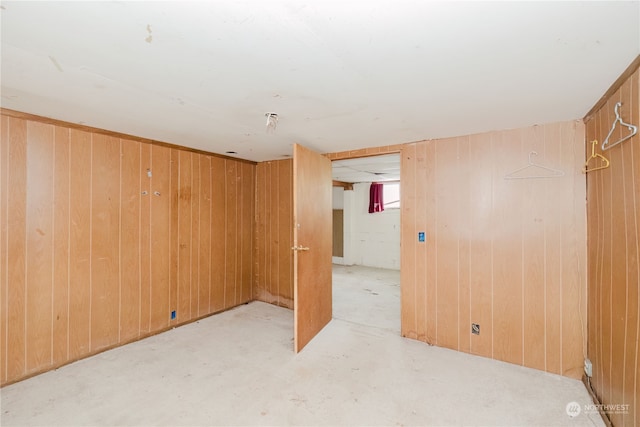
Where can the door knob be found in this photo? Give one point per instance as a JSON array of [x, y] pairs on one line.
[[300, 248]]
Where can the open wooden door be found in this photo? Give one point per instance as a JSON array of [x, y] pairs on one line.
[[312, 244]]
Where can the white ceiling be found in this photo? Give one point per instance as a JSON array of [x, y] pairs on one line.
[[340, 74]]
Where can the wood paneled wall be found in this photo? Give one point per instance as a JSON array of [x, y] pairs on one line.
[[613, 214], [508, 255], [102, 238], [274, 233]]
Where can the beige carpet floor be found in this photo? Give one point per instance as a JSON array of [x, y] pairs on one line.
[[238, 368]]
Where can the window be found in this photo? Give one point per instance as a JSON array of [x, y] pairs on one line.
[[391, 195]]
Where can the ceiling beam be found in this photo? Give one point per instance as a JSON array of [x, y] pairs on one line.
[[365, 152], [345, 185]]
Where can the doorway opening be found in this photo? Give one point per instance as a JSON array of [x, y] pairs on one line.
[[366, 250]]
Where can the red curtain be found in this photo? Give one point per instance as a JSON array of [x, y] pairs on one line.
[[375, 198]]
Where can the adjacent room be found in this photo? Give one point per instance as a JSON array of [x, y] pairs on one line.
[[320, 213], [366, 240]]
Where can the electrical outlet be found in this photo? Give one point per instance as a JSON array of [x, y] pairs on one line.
[[588, 368], [475, 328]]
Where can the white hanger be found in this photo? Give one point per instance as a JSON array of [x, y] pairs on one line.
[[544, 171], [634, 129]]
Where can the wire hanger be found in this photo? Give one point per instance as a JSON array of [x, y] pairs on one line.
[[633, 129], [542, 171], [595, 155]]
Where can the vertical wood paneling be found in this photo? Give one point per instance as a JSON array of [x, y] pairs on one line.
[[507, 248], [218, 243], [130, 198], [103, 237], [146, 193], [618, 267], [160, 237], [446, 241], [464, 228], [260, 242], [592, 264], [533, 251], [60, 314], [285, 233], [195, 233], [204, 252], [238, 235], [247, 232], [105, 246], [175, 226], [274, 228], [184, 236], [39, 245], [4, 232], [605, 262], [231, 236], [574, 303], [79, 244], [425, 327], [613, 209], [481, 243], [554, 256], [632, 361], [429, 255], [16, 240], [492, 264]]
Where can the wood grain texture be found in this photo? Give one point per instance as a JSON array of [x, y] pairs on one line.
[[533, 272], [424, 265], [130, 240], [464, 229], [204, 252], [365, 152], [105, 237], [60, 312], [16, 249], [39, 244], [174, 192], [184, 309], [79, 244], [248, 214], [312, 229], [119, 135], [218, 242], [160, 237], [105, 247], [195, 232], [4, 232], [613, 235], [231, 236], [489, 244], [145, 238], [274, 233]]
